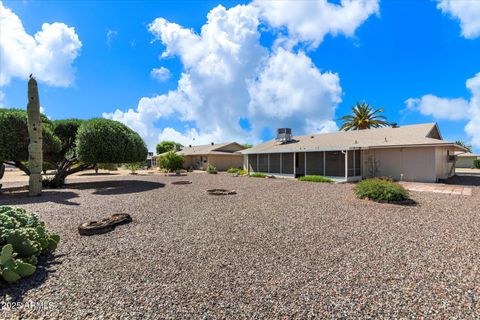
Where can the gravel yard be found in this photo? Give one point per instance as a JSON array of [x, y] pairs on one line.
[[278, 248]]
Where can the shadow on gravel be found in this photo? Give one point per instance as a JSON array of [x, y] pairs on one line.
[[465, 180], [98, 174], [16, 291], [48, 195], [116, 186]]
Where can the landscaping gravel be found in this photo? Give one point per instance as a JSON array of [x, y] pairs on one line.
[[277, 249]]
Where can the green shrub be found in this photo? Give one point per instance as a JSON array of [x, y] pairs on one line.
[[23, 238], [476, 164], [172, 161], [315, 179], [381, 190], [242, 172], [258, 175], [233, 170], [134, 166], [211, 169]]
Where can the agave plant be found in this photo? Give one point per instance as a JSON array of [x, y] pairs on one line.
[[363, 117]]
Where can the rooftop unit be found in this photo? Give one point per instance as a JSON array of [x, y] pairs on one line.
[[284, 135]]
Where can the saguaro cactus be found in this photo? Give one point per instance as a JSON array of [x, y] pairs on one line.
[[35, 152], [2, 171]]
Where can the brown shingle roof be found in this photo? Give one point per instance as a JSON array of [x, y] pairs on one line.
[[410, 135]]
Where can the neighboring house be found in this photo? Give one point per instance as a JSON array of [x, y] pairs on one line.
[[410, 153], [465, 160], [223, 156]]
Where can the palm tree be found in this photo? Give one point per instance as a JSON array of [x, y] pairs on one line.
[[363, 117], [466, 146]]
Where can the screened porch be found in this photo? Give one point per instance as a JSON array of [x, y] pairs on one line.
[[338, 165]]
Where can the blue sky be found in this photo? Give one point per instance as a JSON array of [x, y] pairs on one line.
[[401, 50]]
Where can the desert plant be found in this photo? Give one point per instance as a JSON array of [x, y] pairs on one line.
[[242, 172], [23, 238], [2, 172], [134, 166], [363, 117], [476, 164], [211, 169], [233, 170], [381, 190], [35, 151], [171, 161], [166, 146], [258, 175], [315, 179]]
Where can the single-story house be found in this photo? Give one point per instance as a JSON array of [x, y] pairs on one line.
[[223, 156], [410, 153], [465, 160]]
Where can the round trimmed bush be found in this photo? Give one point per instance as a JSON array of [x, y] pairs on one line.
[[102, 140], [381, 190]]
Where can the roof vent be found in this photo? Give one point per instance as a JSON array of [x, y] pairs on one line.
[[385, 139], [284, 135], [213, 143], [189, 145]]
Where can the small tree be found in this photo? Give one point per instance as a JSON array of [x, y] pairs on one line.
[[465, 145], [172, 161], [14, 138], [166, 146]]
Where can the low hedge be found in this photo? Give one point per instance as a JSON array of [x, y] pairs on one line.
[[315, 179], [23, 237], [381, 190]]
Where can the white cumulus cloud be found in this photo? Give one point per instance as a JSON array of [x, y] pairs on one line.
[[49, 54], [467, 12], [473, 126], [161, 74], [454, 109], [312, 20], [439, 108], [229, 76]]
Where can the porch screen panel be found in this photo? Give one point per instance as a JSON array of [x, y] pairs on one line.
[[275, 163], [351, 163], [287, 163], [334, 164], [263, 163], [252, 162], [315, 163], [358, 163]]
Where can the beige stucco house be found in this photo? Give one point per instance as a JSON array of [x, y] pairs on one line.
[[223, 156], [409, 153], [465, 160]]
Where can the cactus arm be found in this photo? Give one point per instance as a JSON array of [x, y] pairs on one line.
[[35, 152]]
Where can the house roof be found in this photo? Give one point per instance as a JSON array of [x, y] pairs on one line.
[[468, 155], [216, 149], [406, 136]]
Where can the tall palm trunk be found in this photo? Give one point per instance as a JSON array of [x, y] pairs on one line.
[[35, 152]]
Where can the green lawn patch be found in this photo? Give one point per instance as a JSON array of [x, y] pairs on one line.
[[315, 179], [258, 175]]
